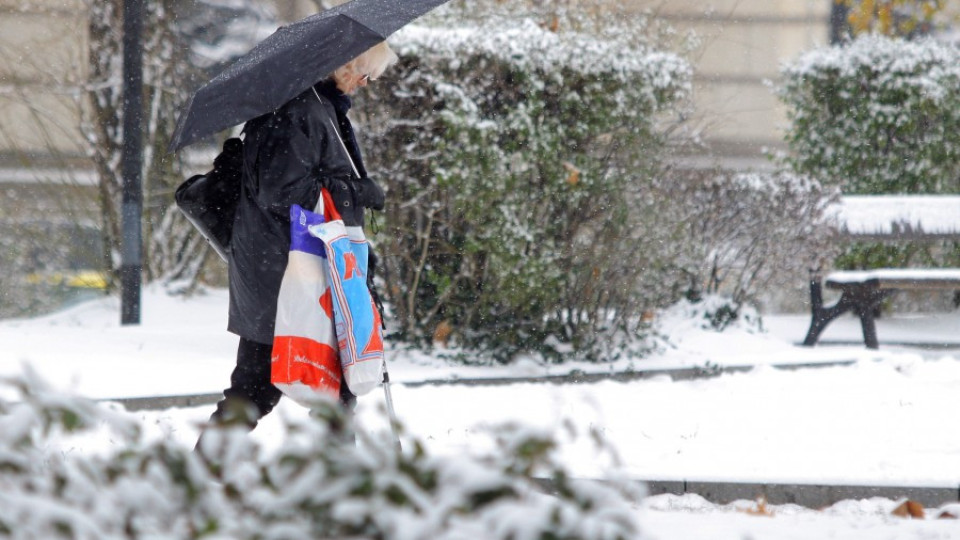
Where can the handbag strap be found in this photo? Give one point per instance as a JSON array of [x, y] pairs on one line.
[[339, 138]]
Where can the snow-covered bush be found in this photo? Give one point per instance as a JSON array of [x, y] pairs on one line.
[[511, 152], [319, 484], [710, 312], [738, 234], [876, 115]]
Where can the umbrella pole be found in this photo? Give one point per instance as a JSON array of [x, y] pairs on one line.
[[390, 411]]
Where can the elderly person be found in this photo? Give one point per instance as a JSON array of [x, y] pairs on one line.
[[289, 155]]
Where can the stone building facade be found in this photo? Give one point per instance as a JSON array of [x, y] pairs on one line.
[[42, 57], [742, 45]]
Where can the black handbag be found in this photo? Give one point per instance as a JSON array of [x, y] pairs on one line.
[[209, 201]]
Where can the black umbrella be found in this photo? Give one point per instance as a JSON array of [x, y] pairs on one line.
[[291, 60]]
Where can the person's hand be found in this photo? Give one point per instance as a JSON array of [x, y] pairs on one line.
[[369, 194]]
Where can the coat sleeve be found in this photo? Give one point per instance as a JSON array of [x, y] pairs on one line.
[[287, 163]]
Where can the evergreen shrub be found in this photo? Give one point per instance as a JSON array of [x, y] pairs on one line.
[[72, 468], [513, 156], [876, 115]]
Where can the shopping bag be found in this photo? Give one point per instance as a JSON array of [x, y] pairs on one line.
[[305, 361], [357, 320]]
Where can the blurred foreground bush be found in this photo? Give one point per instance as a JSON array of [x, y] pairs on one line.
[[319, 484]]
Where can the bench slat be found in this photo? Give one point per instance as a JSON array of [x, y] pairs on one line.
[[898, 278]]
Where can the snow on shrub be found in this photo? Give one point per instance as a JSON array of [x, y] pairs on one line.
[[738, 234], [511, 154], [876, 115], [712, 312], [319, 484]]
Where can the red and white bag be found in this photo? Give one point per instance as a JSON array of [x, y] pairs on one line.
[[357, 321], [305, 363]]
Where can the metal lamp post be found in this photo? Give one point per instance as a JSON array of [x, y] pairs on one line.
[[131, 165]]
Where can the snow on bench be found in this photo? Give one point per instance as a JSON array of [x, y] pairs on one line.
[[899, 217], [897, 278]]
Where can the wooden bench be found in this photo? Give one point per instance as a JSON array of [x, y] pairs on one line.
[[862, 292]]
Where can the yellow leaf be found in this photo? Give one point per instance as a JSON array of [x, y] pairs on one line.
[[574, 173], [760, 509], [908, 508], [441, 334], [885, 18]]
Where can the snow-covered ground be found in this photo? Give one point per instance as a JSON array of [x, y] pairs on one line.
[[887, 418]]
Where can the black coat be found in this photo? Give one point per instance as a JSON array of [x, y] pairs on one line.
[[288, 155]]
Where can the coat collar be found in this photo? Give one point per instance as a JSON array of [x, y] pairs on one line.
[[328, 89]]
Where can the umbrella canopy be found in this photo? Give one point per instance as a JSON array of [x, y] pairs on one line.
[[291, 60]]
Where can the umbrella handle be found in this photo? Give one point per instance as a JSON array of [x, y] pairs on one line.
[[339, 138], [390, 411]]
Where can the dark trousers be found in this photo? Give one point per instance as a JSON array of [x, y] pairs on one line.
[[250, 396]]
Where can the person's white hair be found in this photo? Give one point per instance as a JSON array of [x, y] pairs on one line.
[[373, 62]]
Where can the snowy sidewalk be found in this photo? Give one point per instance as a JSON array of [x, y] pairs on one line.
[[182, 348], [808, 437], [709, 410]]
